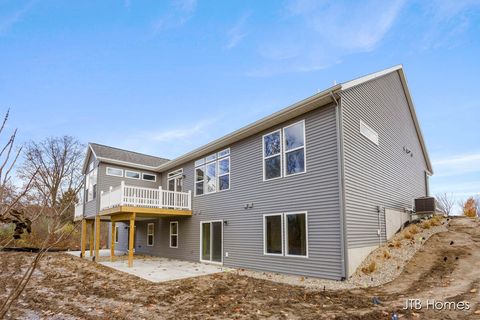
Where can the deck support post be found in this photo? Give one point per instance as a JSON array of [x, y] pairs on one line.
[[97, 237], [84, 238], [131, 240], [91, 237], [112, 242]]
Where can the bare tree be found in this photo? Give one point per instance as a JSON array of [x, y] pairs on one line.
[[445, 202], [10, 197], [52, 171], [58, 161]]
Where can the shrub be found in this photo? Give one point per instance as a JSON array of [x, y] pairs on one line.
[[413, 229], [426, 224], [407, 235]]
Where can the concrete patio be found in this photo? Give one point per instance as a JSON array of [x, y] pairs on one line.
[[155, 269]]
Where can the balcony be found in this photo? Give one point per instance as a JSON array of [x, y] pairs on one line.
[[78, 212], [145, 201]]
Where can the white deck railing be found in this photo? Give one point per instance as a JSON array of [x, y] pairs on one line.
[[78, 211], [124, 195]]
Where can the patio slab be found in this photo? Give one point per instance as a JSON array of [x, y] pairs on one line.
[[157, 269]]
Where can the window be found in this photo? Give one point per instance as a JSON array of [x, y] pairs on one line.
[[175, 180], [368, 132], [273, 237], [284, 149], [132, 174], [150, 230], [149, 177], [174, 234], [224, 174], [116, 234], [211, 177], [292, 227], [91, 185], [199, 180], [114, 172], [296, 234], [294, 146], [212, 174], [272, 159]]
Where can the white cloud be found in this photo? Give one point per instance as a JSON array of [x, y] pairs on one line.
[[186, 133], [180, 12], [7, 22], [457, 165], [318, 34], [236, 34]]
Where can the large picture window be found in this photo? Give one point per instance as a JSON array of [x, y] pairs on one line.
[[273, 236], [294, 146], [296, 234], [212, 173], [285, 234]]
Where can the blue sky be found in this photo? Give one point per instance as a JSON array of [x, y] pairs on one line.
[[163, 77]]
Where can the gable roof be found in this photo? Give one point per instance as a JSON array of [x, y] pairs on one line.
[[123, 157], [320, 99]]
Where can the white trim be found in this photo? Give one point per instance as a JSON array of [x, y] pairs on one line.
[[271, 156], [201, 242], [227, 153], [352, 83], [171, 234], [138, 172], [286, 234], [151, 234], [113, 175], [126, 163], [116, 234], [265, 253], [304, 147], [150, 174]]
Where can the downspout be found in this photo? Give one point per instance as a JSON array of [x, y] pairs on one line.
[[341, 187]]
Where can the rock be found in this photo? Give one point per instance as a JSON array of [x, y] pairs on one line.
[[473, 290]]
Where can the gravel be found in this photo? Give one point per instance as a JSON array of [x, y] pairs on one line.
[[387, 269]]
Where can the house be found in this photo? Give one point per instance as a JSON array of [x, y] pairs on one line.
[[309, 190]]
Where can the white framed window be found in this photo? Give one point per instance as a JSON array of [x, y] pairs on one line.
[[116, 172], [286, 234], [199, 180], [116, 234], [368, 132], [132, 174], [296, 234], [173, 234], [91, 185], [272, 155], [294, 148], [223, 174], [212, 174], [150, 234], [175, 173], [149, 177], [273, 234], [223, 153]]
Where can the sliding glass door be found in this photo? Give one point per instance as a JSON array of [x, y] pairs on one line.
[[211, 246]]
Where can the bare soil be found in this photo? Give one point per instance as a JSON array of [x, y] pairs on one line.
[[66, 287]]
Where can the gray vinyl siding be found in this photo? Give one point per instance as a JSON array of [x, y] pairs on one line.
[[316, 191], [382, 175]]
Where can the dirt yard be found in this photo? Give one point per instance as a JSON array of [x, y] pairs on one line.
[[65, 287]]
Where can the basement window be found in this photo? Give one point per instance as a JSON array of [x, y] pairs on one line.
[[150, 233], [174, 234]]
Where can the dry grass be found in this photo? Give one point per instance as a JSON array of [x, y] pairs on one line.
[[395, 244], [386, 255], [407, 235], [426, 224], [413, 229], [370, 268]]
